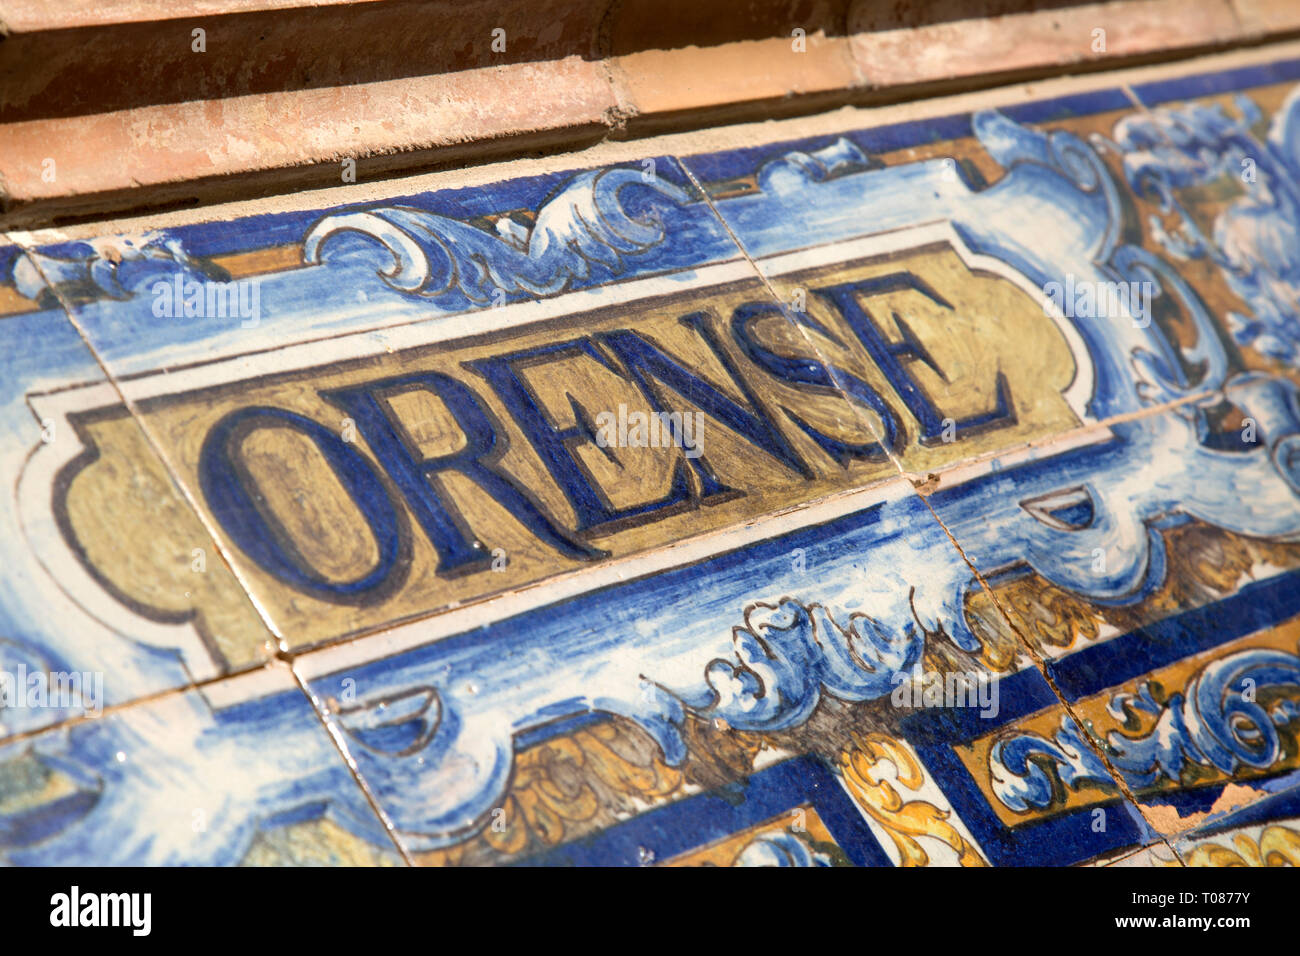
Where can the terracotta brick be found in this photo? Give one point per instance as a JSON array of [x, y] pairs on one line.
[[668, 59], [953, 39], [181, 151], [1267, 16], [55, 68], [730, 78]]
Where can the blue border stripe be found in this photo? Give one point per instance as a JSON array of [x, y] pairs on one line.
[[1052, 841], [1286, 70], [1206, 84], [1066, 107], [697, 821], [1254, 608]]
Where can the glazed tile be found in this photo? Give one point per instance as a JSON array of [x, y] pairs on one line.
[[239, 772], [1117, 527], [1217, 153], [1157, 577], [1201, 735], [112, 590], [148, 300], [412, 419], [1116, 483], [939, 270], [951, 556], [487, 735], [1159, 483]]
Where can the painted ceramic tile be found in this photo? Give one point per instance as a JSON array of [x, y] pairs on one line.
[[1217, 152], [1160, 474], [1126, 528], [1264, 833], [111, 590], [802, 671], [239, 772], [594, 545], [518, 382], [1197, 712]]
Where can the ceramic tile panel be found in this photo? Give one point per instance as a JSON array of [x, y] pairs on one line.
[[1116, 468], [1216, 153], [1196, 712], [390, 409], [1155, 573], [942, 521], [1153, 569], [112, 589], [827, 650], [239, 772]]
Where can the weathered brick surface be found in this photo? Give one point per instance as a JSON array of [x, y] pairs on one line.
[[958, 39], [132, 116], [679, 57], [1260, 17]]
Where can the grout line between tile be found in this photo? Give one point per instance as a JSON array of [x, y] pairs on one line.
[[1039, 663], [157, 449], [331, 729], [281, 658]]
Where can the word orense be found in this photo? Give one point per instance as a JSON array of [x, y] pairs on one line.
[[399, 490]]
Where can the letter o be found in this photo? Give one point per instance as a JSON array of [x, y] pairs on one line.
[[230, 493]]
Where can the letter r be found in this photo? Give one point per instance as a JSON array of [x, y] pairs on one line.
[[445, 527]]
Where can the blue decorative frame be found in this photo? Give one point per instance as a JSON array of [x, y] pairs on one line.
[[437, 751]]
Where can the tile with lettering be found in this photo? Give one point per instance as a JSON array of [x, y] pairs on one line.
[[112, 589], [1127, 436], [238, 772], [387, 410], [1098, 446], [966, 280], [591, 549]]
